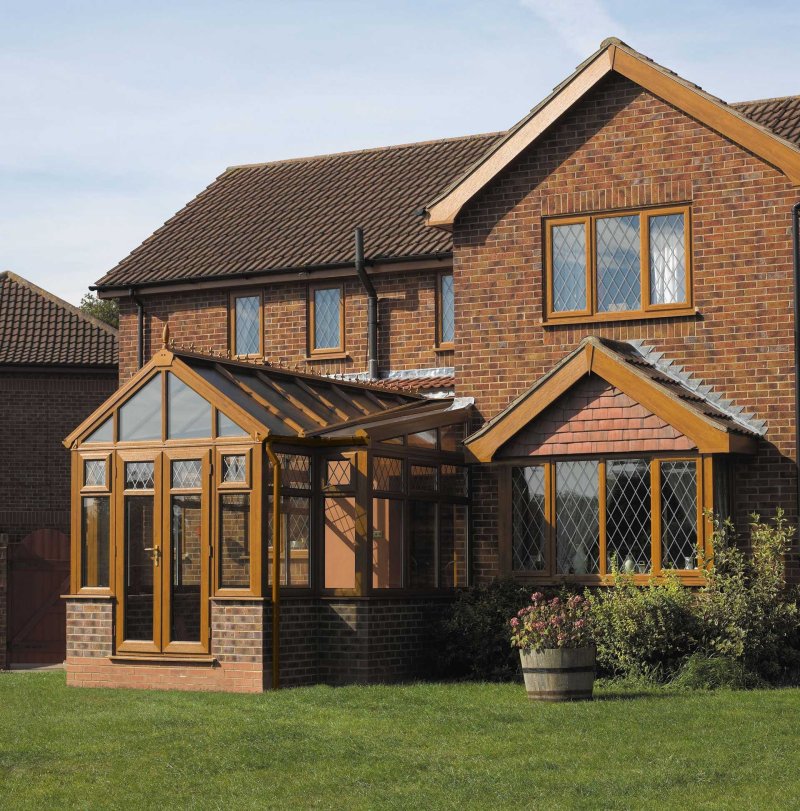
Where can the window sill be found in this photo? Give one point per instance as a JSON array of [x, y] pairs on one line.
[[156, 658], [444, 348], [327, 356], [602, 318], [89, 595], [686, 577]]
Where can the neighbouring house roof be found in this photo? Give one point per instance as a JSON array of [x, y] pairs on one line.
[[40, 329], [748, 127], [300, 213], [715, 425]]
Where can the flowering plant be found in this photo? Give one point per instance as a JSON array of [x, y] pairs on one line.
[[561, 622]]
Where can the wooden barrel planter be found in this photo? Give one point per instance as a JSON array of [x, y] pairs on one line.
[[559, 674]]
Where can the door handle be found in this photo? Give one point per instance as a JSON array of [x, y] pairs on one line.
[[156, 556]]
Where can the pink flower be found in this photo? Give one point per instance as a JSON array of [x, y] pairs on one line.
[[514, 622]]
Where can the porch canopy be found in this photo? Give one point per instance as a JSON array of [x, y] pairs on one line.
[[615, 453], [174, 485]]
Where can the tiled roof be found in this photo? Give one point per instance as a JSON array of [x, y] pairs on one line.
[[781, 115], [301, 213], [37, 328], [419, 383]]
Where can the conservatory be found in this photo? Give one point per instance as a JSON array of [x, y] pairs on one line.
[[236, 526]]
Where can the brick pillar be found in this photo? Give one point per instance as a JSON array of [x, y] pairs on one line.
[[4, 539]]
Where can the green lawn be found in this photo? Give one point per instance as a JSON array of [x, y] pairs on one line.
[[413, 747]]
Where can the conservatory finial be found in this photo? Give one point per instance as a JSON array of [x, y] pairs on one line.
[[165, 336]]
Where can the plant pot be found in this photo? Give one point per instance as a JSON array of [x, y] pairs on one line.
[[559, 674]]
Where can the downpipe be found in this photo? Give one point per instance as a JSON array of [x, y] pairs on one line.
[[276, 564]]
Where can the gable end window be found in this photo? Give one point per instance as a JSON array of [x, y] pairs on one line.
[[619, 265], [247, 325], [325, 319], [445, 311]]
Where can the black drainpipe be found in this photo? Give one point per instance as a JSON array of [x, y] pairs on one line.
[[140, 335], [372, 307], [796, 265]]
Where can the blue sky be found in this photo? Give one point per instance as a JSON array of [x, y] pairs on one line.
[[114, 114]]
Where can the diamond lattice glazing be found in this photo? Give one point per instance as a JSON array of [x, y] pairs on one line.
[[326, 318], [387, 474], [628, 529], [527, 518], [569, 267], [448, 309], [234, 468], [248, 324], [94, 473], [667, 259], [139, 475], [577, 517], [187, 473], [423, 478], [295, 470], [618, 264], [678, 514], [337, 473]]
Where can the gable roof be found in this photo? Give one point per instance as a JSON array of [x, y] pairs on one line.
[[268, 400], [615, 56], [714, 425], [40, 329], [299, 214], [781, 115]]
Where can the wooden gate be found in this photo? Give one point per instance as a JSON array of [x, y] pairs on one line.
[[38, 569]]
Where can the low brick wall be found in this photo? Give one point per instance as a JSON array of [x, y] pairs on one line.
[[333, 641]]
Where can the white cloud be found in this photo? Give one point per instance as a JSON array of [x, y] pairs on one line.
[[581, 24]]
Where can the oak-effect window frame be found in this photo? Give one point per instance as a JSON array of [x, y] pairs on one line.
[[81, 490], [326, 351], [550, 574], [232, 299], [646, 310], [441, 345]]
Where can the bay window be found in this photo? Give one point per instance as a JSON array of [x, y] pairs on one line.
[[581, 518], [618, 264]]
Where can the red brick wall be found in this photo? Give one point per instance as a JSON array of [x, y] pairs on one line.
[[38, 410], [406, 312], [594, 417], [623, 147]]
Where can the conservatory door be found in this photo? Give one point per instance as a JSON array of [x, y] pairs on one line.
[[163, 553]]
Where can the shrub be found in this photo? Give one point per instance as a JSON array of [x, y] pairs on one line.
[[643, 632], [745, 611], [471, 638], [702, 672], [561, 622]]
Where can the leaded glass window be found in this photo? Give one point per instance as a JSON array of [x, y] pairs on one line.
[[140, 417], [446, 309], [234, 468], [679, 523], [577, 518], [628, 507], [188, 414], [247, 340], [667, 259], [423, 479], [139, 475], [387, 474], [187, 474], [528, 518], [327, 318], [94, 473], [569, 267], [619, 284]]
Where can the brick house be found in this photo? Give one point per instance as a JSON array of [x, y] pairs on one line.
[[56, 364], [584, 341]]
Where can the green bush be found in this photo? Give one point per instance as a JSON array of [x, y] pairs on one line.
[[643, 632], [471, 638], [702, 672], [746, 611]]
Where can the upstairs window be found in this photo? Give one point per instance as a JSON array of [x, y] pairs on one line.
[[445, 312], [618, 265], [247, 325], [326, 319]]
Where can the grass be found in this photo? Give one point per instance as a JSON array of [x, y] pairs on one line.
[[422, 746]]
